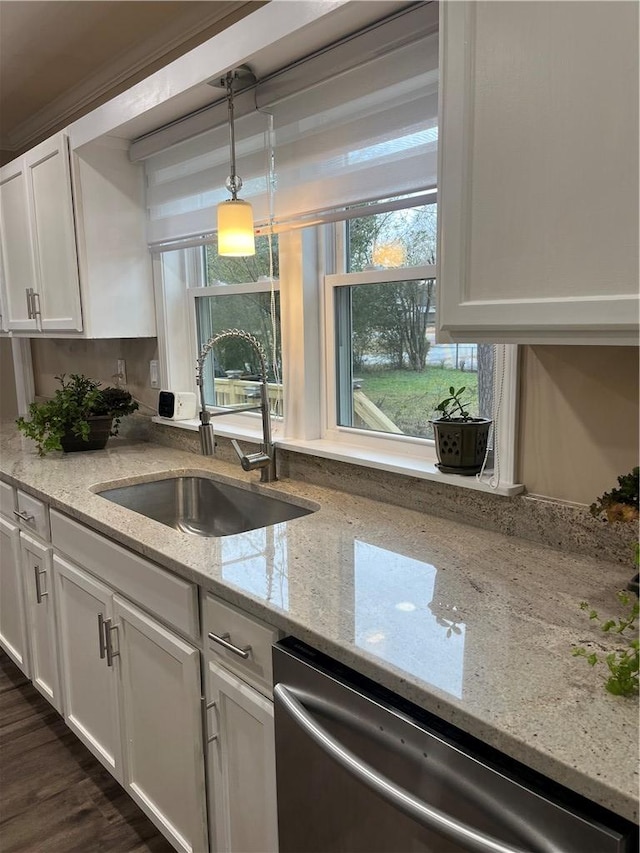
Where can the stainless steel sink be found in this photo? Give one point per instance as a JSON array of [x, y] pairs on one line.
[[203, 506]]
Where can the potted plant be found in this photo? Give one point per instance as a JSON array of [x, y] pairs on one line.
[[80, 416], [461, 440], [622, 505]]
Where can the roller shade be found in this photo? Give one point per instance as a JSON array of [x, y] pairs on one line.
[[368, 132]]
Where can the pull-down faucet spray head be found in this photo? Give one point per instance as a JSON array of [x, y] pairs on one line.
[[265, 458]]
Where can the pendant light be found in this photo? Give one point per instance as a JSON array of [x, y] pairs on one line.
[[235, 216]]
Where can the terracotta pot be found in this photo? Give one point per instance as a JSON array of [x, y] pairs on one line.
[[461, 445], [99, 429]]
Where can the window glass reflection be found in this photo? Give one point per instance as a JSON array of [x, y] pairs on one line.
[[257, 562], [400, 618]]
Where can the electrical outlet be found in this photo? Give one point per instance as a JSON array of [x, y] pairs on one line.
[[154, 373], [121, 372]]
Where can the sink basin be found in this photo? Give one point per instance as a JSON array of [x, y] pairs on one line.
[[203, 506]]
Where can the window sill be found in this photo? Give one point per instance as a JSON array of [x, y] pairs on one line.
[[422, 469]]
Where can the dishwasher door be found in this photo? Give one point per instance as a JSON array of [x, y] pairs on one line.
[[357, 775]]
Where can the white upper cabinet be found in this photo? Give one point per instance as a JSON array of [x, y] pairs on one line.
[[53, 238], [18, 267], [538, 184], [72, 235]]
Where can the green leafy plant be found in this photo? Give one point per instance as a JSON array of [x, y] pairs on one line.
[[620, 504], [452, 407], [622, 662], [68, 412]]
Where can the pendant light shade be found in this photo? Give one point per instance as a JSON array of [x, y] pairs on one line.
[[235, 217], [235, 229]]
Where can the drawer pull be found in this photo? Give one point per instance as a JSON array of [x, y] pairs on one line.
[[223, 640], [24, 516], [39, 593]]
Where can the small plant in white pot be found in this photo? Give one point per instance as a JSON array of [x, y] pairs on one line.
[[461, 439]]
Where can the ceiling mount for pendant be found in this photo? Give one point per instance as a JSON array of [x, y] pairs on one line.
[[239, 78]]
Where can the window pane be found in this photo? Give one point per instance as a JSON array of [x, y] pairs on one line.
[[390, 373], [395, 239], [242, 270], [232, 370]]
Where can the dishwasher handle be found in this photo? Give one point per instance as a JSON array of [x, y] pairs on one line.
[[401, 799]]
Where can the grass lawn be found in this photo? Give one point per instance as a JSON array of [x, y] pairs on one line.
[[409, 398]]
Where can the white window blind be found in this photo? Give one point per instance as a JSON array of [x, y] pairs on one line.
[[367, 132]]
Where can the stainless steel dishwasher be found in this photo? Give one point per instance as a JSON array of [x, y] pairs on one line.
[[360, 770]]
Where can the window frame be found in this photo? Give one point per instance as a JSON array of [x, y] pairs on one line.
[[194, 292], [405, 445]]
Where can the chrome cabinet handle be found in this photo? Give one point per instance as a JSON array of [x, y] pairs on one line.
[[101, 641], [24, 516], [405, 802], [39, 593], [207, 706], [29, 293], [36, 304], [108, 628], [223, 640]]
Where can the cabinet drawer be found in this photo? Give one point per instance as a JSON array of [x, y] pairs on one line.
[[158, 591], [7, 501], [33, 515], [243, 631]]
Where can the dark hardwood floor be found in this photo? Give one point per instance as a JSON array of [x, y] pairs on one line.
[[55, 797]]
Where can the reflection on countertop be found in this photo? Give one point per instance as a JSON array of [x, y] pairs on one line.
[[403, 626]]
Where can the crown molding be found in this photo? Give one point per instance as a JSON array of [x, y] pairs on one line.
[[120, 72]]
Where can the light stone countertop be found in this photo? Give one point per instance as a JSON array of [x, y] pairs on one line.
[[471, 625]]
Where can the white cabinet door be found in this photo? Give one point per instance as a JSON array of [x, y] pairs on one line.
[[538, 172], [18, 269], [53, 235], [162, 726], [13, 629], [242, 766], [89, 684], [40, 611]]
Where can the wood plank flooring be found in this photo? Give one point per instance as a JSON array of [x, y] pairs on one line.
[[55, 797]]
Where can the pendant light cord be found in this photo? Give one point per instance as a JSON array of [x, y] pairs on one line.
[[271, 186], [233, 188], [498, 387]]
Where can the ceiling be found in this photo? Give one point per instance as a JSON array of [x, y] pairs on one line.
[[60, 59]]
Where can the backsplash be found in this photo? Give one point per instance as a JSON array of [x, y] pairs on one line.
[[567, 527]]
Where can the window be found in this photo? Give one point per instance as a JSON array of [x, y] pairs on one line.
[[390, 373], [340, 159]]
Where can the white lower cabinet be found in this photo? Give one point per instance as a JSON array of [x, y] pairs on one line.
[[132, 695], [239, 726], [13, 626], [88, 684], [159, 685], [241, 765], [40, 613]]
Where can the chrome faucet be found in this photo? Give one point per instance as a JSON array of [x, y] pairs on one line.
[[265, 458]]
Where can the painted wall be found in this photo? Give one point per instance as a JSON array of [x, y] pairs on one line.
[[578, 427], [578, 419], [8, 401], [98, 360]]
